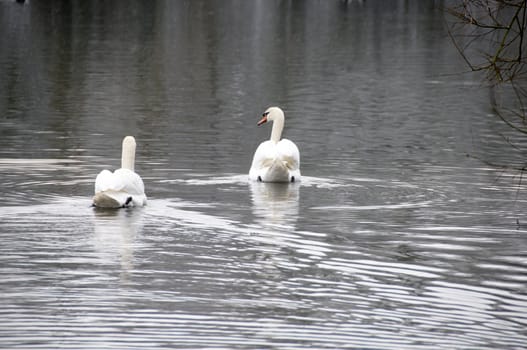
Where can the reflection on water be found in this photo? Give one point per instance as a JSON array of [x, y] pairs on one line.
[[275, 203], [178, 270], [394, 239], [115, 233]]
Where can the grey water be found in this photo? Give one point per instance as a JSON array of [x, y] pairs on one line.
[[407, 230]]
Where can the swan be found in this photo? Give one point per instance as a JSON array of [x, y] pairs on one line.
[[123, 187], [275, 160]]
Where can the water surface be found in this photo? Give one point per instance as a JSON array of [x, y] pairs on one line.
[[394, 239]]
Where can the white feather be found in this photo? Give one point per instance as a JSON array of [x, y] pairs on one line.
[[123, 187], [275, 160]]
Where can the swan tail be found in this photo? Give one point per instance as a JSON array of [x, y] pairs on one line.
[[112, 199], [278, 172], [275, 170]]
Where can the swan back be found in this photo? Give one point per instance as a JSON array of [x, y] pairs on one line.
[[128, 153]]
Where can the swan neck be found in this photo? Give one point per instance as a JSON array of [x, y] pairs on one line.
[[278, 127], [128, 155]]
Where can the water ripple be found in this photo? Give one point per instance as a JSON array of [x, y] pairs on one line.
[[141, 278]]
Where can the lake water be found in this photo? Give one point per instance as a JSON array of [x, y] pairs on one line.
[[407, 231]]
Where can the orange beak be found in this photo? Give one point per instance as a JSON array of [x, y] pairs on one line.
[[262, 121]]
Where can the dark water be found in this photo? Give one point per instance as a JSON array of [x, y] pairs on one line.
[[394, 239]]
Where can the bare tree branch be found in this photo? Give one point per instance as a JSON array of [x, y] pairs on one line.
[[489, 35]]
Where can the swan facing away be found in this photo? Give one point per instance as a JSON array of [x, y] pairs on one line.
[[275, 160], [123, 187]]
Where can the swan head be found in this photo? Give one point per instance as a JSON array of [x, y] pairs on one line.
[[271, 114], [129, 141]]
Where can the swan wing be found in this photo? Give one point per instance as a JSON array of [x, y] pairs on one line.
[[288, 152], [106, 180], [129, 182], [263, 158], [264, 155], [115, 189]]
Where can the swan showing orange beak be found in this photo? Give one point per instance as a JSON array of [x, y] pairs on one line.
[[277, 159], [263, 120]]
